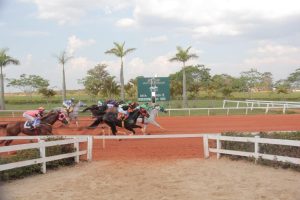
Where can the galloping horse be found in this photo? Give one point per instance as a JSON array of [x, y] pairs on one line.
[[73, 116], [110, 118], [45, 127], [151, 119], [97, 112]]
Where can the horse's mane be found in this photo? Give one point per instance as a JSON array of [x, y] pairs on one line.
[[51, 112]]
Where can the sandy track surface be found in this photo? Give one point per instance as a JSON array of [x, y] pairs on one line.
[[158, 179]]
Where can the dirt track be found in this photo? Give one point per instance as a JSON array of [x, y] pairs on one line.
[[179, 179], [182, 148]]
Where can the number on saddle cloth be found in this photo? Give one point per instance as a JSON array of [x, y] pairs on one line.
[[28, 124]]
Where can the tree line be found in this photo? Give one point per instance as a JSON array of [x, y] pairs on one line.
[[189, 82]]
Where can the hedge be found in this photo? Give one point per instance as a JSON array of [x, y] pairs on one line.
[[281, 150], [33, 154]]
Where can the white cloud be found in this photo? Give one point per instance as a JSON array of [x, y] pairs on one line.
[[80, 63], [125, 23], [157, 39], [270, 53], [75, 43], [71, 11]]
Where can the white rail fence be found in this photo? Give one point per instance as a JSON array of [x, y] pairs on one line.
[[256, 141], [41, 145], [259, 104]]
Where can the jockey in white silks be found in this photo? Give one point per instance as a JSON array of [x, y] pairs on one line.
[[33, 116], [69, 104]]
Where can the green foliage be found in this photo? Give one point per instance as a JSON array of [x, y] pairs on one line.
[[34, 154], [28, 84], [46, 92], [280, 150], [98, 82], [183, 55]]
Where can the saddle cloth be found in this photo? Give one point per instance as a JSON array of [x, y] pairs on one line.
[[28, 124]]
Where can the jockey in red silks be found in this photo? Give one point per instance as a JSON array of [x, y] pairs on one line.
[[33, 116]]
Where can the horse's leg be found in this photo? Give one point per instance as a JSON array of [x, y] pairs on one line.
[[131, 129], [144, 129], [12, 131], [157, 124], [112, 127], [95, 123]]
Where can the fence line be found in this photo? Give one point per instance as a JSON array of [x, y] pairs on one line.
[[89, 139], [256, 154], [41, 145]]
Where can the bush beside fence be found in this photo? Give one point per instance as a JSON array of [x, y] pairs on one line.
[[33, 154], [280, 150]]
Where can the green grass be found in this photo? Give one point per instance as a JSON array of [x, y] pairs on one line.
[[22, 102]]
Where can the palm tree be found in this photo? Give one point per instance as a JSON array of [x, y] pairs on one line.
[[63, 58], [4, 60], [120, 52], [183, 56]]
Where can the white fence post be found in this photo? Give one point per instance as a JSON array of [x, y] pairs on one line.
[[169, 113], [238, 104], [284, 109], [219, 147], [267, 109], [189, 112], [76, 146], [256, 147], [224, 102], [208, 111], [43, 155], [205, 146], [227, 111], [90, 148]]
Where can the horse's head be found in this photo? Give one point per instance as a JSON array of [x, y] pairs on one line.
[[143, 112], [61, 116]]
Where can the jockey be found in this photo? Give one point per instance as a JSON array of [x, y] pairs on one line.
[[69, 104], [111, 103], [122, 112], [33, 116], [99, 103]]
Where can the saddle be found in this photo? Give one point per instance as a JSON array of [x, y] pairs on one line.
[[32, 124]]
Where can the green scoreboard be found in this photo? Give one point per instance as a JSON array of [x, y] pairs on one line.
[[161, 86]]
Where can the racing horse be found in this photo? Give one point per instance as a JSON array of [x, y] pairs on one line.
[[97, 112], [153, 112], [73, 115], [44, 128], [110, 118]]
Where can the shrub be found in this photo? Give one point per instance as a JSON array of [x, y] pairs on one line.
[[280, 150], [34, 154]]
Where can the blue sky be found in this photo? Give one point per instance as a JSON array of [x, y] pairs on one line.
[[228, 36]]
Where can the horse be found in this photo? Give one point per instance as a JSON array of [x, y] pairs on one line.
[[151, 119], [44, 128], [73, 115], [110, 118], [97, 112]]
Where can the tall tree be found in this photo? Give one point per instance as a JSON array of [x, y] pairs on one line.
[[98, 82], [63, 58], [4, 61], [294, 79], [183, 56], [120, 52], [28, 84]]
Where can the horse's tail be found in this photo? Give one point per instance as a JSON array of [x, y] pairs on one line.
[[3, 125]]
